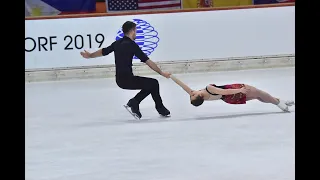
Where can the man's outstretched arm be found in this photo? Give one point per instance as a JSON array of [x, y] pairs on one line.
[[99, 53], [96, 54], [154, 67], [144, 58]]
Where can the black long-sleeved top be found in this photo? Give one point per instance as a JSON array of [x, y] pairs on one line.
[[124, 49]]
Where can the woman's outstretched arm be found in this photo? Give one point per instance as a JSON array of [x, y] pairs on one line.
[[181, 84]]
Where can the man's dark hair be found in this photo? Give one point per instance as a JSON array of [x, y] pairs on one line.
[[198, 101], [128, 26]]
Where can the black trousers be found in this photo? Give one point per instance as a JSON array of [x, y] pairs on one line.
[[147, 86]]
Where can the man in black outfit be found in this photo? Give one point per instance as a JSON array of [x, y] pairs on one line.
[[124, 49]]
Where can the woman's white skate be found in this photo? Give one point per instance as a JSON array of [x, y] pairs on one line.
[[284, 105]]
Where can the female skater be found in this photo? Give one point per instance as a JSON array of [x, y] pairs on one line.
[[231, 94]]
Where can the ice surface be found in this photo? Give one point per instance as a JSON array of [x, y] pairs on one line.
[[79, 130]]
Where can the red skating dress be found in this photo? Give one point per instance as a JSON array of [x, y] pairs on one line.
[[238, 98]]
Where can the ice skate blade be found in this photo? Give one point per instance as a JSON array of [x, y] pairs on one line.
[[290, 103], [133, 114], [167, 116]]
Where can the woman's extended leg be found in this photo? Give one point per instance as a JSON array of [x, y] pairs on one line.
[[262, 96]]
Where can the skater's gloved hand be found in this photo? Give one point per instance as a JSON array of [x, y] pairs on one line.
[[166, 74], [244, 90], [85, 54]]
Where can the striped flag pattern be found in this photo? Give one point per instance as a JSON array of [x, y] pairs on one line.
[[145, 5]]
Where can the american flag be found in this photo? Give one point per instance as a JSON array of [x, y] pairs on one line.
[[127, 5]]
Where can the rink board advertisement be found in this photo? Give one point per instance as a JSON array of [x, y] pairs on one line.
[[55, 43]]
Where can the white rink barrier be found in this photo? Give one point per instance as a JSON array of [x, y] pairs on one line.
[[175, 67], [174, 37]]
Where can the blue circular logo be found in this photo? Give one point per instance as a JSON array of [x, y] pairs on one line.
[[147, 37]]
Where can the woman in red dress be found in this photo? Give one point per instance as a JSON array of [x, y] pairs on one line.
[[231, 94]]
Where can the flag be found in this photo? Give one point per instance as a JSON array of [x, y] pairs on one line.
[[73, 6], [39, 8], [128, 5], [58, 7], [231, 3], [187, 4], [272, 1]]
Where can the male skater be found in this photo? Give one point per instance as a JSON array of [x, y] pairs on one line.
[[124, 49]]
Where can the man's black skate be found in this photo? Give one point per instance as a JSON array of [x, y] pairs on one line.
[[163, 111], [134, 106]]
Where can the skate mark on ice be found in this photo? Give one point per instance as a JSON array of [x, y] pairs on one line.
[[240, 115], [156, 119], [210, 117]]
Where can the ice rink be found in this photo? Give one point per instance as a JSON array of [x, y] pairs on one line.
[[79, 130]]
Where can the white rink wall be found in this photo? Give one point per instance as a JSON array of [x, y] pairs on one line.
[[181, 42]]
